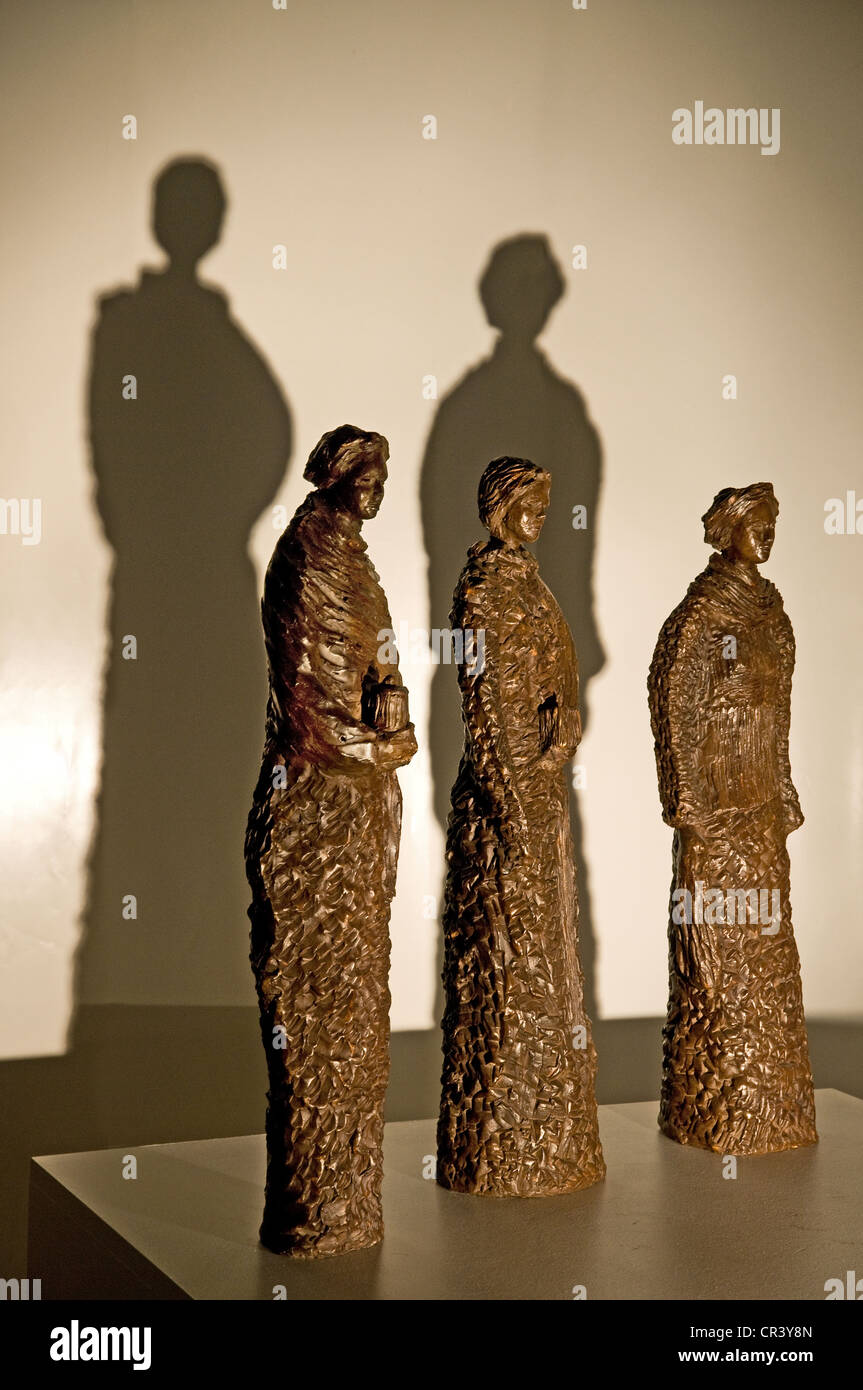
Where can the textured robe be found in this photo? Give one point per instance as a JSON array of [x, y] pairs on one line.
[[321, 860], [736, 1075], [518, 1111]]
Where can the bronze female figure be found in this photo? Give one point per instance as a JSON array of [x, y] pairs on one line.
[[518, 1111], [736, 1076], [321, 852]]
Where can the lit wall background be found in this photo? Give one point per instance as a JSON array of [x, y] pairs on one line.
[[701, 262]]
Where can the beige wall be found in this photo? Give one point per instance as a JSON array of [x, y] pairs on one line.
[[701, 262]]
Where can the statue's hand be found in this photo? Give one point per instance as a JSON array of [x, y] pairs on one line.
[[357, 757], [360, 757], [396, 749]]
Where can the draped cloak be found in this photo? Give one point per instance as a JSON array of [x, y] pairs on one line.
[[518, 1111], [321, 850], [736, 1075]]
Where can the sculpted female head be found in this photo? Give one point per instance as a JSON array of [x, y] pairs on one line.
[[741, 522], [350, 465], [513, 499]]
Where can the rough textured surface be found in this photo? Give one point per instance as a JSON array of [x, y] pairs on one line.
[[736, 1075], [518, 1112], [321, 852]]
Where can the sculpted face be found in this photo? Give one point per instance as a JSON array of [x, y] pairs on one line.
[[363, 490], [754, 535], [526, 516]]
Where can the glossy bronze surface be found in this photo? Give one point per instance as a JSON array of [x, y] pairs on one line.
[[321, 854], [736, 1075], [518, 1111]]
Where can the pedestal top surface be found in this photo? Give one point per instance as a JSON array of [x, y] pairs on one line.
[[666, 1223]]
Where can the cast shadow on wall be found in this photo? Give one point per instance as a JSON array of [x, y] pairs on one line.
[[182, 473], [190, 437], [141, 1073], [514, 402]]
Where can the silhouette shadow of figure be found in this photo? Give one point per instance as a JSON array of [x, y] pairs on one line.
[[514, 403], [183, 471]]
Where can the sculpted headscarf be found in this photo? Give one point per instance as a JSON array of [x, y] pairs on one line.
[[500, 484], [728, 509], [338, 452]]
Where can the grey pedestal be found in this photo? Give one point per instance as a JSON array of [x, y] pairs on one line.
[[666, 1223]]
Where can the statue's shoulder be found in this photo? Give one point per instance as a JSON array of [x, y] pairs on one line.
[[306, 519], [693, 612], [299, 539], [479, 566], [476, 583], [704, 591]]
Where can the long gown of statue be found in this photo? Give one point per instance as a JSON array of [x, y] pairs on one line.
[[321, 861], [736, 1074], [518, 1112]]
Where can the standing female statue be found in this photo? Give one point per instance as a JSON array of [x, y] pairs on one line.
[[518, 1111], [321, 852], [736, 1074]]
